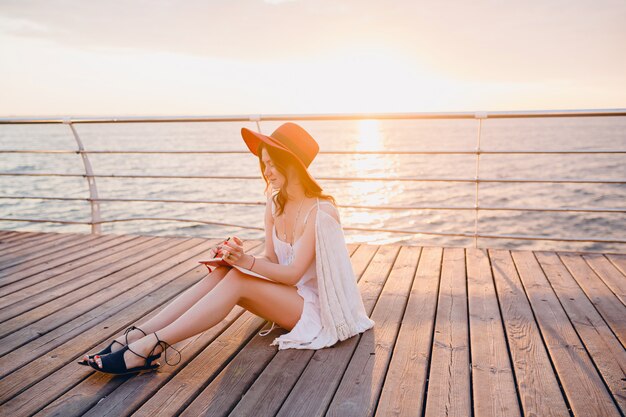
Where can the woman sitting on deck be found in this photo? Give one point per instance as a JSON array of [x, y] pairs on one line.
[[312, 291]]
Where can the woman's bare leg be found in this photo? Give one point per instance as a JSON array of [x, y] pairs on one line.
[[175, 308], [184, 301], [272, 301]]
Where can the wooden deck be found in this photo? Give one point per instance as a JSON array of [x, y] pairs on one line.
[[458, 332]]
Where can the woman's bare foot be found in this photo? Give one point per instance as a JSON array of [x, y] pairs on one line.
[[133, 335]]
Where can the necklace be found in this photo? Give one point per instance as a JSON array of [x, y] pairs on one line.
[[293, 232]]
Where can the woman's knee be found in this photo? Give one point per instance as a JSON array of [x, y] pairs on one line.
[[234, 278], [217, 273]]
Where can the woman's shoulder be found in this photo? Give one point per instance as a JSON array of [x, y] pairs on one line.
[[270, 207], [329, 207]]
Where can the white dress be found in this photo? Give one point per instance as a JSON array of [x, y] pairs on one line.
[[310, 323]]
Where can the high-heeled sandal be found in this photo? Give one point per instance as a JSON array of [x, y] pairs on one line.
[[107, 349], [113, 363]]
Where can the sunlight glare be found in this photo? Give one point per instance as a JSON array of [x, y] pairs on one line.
[[370, 137]]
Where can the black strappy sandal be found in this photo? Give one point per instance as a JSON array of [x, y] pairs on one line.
[[107, 349], [114, 364]]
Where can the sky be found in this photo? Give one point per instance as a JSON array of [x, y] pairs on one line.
[[237, 57]]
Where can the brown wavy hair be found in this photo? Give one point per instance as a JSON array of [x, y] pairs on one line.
[[282, 160]]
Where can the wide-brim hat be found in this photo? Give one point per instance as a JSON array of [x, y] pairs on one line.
[[288, 137]]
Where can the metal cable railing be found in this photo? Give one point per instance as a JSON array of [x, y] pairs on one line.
[[95, 200]]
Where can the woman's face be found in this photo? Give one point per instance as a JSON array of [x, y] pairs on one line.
[[272, 174]]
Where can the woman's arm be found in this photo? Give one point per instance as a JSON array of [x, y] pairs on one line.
[[303, 256]]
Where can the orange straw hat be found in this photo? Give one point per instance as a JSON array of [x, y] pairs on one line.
[[288, 137]]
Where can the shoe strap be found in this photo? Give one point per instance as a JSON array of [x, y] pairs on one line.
[[130, 329], [164, 345]]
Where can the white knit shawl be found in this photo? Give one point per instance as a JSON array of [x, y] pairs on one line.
[[342, 312]]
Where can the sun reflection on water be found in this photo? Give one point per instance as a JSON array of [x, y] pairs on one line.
[[369, 137]]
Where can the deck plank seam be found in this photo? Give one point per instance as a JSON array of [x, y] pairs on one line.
[[148, 312], [55, 369], [250, 383], [612, 261], [469, 334], [86, 243], [606, 282], [392, 348], [65, 282], [52, 301], [432, 335], [504, 332], [359, 336], [593, 281], [557, 377], [600, 313], [580, 339], [218, 370], [356, 345]]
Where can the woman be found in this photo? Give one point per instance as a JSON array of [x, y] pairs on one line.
[[312, 291]]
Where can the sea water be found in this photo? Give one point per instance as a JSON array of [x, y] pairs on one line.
[[553, 134]]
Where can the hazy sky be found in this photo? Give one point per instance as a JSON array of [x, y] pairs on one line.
[[157, 57]]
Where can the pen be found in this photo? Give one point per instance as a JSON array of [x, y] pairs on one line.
[[220, 246]]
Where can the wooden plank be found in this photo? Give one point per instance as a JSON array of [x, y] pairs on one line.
[[267, 393], [40, 240], [359, 389], [449, 380], [317, 384], [42, 319], [537, 385], [182, 388], [101, 264], [494, 392], [611, 276], [41, 381], [16, 236], [404, 387], [126, 395], [619, 261], [48, 265], [9, 251], [605, 301], [222, 394], [37, 249], [20, 232], [579, 378], [5, 233], [84, 322], [101, 394], [107, 262], [32, 254], [604, 348], [63, 299]]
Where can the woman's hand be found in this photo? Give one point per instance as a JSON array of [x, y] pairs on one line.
[[212, 254], [233, 252]]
